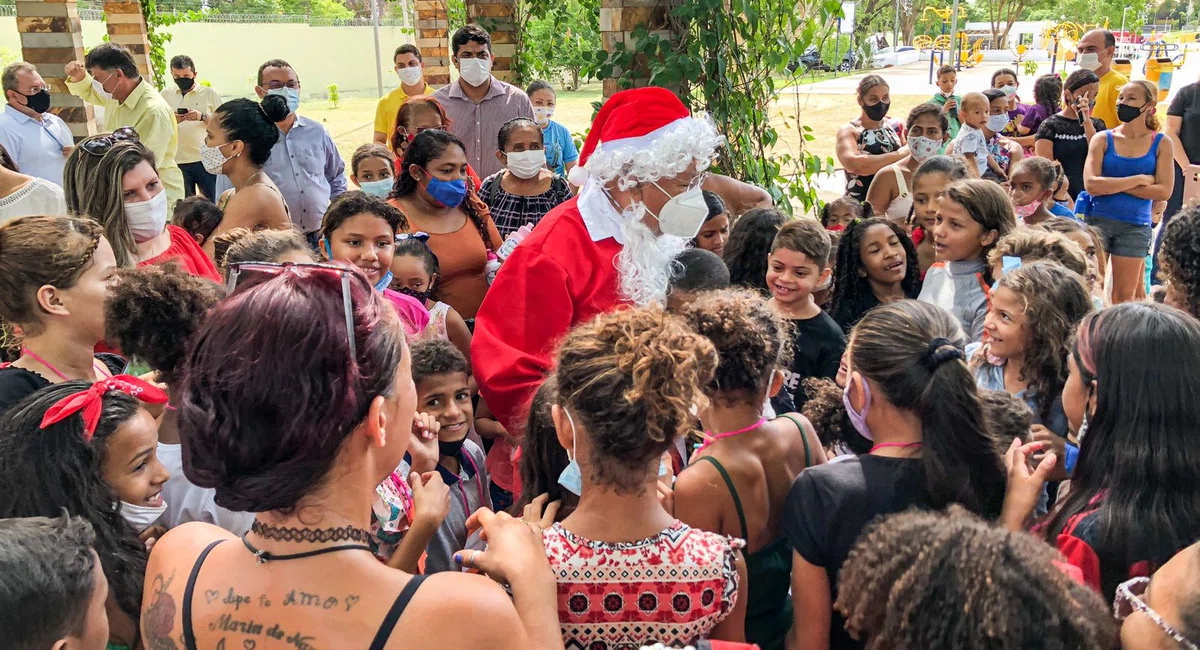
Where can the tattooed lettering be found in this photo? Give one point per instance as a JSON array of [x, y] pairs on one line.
[[351, 601], [211, 594], [301, 642], [236, 600], [263, 601], [226, 623], [296, 598], [158, 619], [275, 632]]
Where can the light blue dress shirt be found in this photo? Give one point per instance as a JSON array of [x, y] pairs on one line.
[[36, 146], [308, 170]]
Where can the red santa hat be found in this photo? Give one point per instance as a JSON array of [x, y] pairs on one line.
[[637, 119]]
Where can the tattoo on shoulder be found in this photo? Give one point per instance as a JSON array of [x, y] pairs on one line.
[[158, 621]]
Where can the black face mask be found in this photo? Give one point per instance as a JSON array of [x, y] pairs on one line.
[[877, 111], [450, 449], [38, 102], [185, 83], [1127, 113], [413, 293]]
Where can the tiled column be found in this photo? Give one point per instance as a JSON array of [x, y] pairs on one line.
[[619, 19], [433, 39], [496, 16], [127, 26], [51, 37]]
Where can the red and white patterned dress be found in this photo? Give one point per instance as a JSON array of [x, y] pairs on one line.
[[672, 588]]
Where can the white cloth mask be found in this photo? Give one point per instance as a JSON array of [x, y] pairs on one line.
[[923, 148], [1089, 61], [213, 158], [142, 517], [542, 114], [996, 123], [147, 219], [475, 71], [410, 76], [526, 164]]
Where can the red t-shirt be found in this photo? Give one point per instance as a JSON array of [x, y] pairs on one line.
[[187, 253]]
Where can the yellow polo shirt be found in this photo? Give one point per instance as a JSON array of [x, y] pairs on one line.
[[389, 106], [1106, 98], [148, 113]]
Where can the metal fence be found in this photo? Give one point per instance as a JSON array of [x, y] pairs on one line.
[[95, 11]]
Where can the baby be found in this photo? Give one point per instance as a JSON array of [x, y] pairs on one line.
[[971, 143]]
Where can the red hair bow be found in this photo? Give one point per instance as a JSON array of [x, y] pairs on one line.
[[90, 401]]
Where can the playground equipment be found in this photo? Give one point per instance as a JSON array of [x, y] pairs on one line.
[[1161, 61], [1062, 36], [940, 45]]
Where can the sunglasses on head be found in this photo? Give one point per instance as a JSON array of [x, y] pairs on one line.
[[279, 268], [99, 145]]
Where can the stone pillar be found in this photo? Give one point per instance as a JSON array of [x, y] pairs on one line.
[[51, 37], [127, 26], [433, 39], [618, 20], [497, 17]]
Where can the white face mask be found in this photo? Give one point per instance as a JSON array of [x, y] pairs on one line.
[[526, 164], [475, 72], [410, 76], [380, 188], [1089, 61], [142, 517], [99, 88], [684, 214], [213, 159], [542, 114], [923, 148], [147, 219], [996, 123], [1008, 91]]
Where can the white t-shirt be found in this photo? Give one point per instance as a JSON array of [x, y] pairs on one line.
[[187, 502], [36, 197], [971, 140]]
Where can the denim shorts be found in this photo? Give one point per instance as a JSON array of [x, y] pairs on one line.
[[1122, 238]]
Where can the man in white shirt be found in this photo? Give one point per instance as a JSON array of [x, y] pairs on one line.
[[193, 104], [37, 141]]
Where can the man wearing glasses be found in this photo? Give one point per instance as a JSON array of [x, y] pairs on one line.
[[37, 140], [305, 165], [109, 77]]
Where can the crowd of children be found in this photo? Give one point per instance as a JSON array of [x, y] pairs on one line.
[[909, 421]]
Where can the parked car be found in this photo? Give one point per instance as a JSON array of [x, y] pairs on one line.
[[888, 56], [810, 60]]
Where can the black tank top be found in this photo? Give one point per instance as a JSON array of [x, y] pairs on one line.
[[381, 637]]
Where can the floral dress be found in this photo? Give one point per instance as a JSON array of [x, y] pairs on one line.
[[672, 588], [874, 142], [998, 148]]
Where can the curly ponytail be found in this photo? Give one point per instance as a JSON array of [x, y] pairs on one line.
[[631, 380], [913, 351]]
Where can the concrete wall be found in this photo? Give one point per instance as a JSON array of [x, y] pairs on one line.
[[228, 54]]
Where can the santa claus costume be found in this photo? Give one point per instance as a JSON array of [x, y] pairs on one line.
[[589, 256]]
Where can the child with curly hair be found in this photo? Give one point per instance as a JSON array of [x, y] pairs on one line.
[[826, 410], [1034, 312], [1179, 259], [151, 315], [1087, 238], [908, 572], [751, 462], [876, 263], [1034, 244], [627, 385], [245, 245]]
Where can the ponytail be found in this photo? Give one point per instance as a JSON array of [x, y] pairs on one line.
[[913, 352]]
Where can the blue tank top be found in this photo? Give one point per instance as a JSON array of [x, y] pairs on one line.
[[1126, 207]]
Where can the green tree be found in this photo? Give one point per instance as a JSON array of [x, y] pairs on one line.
[[726, 60], [558, 40]]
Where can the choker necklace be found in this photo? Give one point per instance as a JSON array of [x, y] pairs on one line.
[[305, 535], [713, 437]]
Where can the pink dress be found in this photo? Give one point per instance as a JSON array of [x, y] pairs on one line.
[[412, 313], [672, 588]]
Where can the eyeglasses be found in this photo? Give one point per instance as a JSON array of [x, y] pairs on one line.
[[422, 237], [99, 145], [410, 136], [277, 268], [1129, 600], [276, 85]]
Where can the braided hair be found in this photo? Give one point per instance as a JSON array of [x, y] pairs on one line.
[[424, 148], [940, 581], [852, 294]]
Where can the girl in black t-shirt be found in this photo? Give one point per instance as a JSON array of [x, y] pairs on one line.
[[1065, 135], [908, 390], [55, 273]]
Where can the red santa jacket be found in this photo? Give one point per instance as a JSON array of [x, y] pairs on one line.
[[557, 278]]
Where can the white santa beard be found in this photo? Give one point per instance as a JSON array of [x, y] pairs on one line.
[[645, 262]]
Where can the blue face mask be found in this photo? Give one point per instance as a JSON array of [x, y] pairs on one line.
[[292, 95], [384, 281], [448, 193], [381, 188], [572, 478]]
